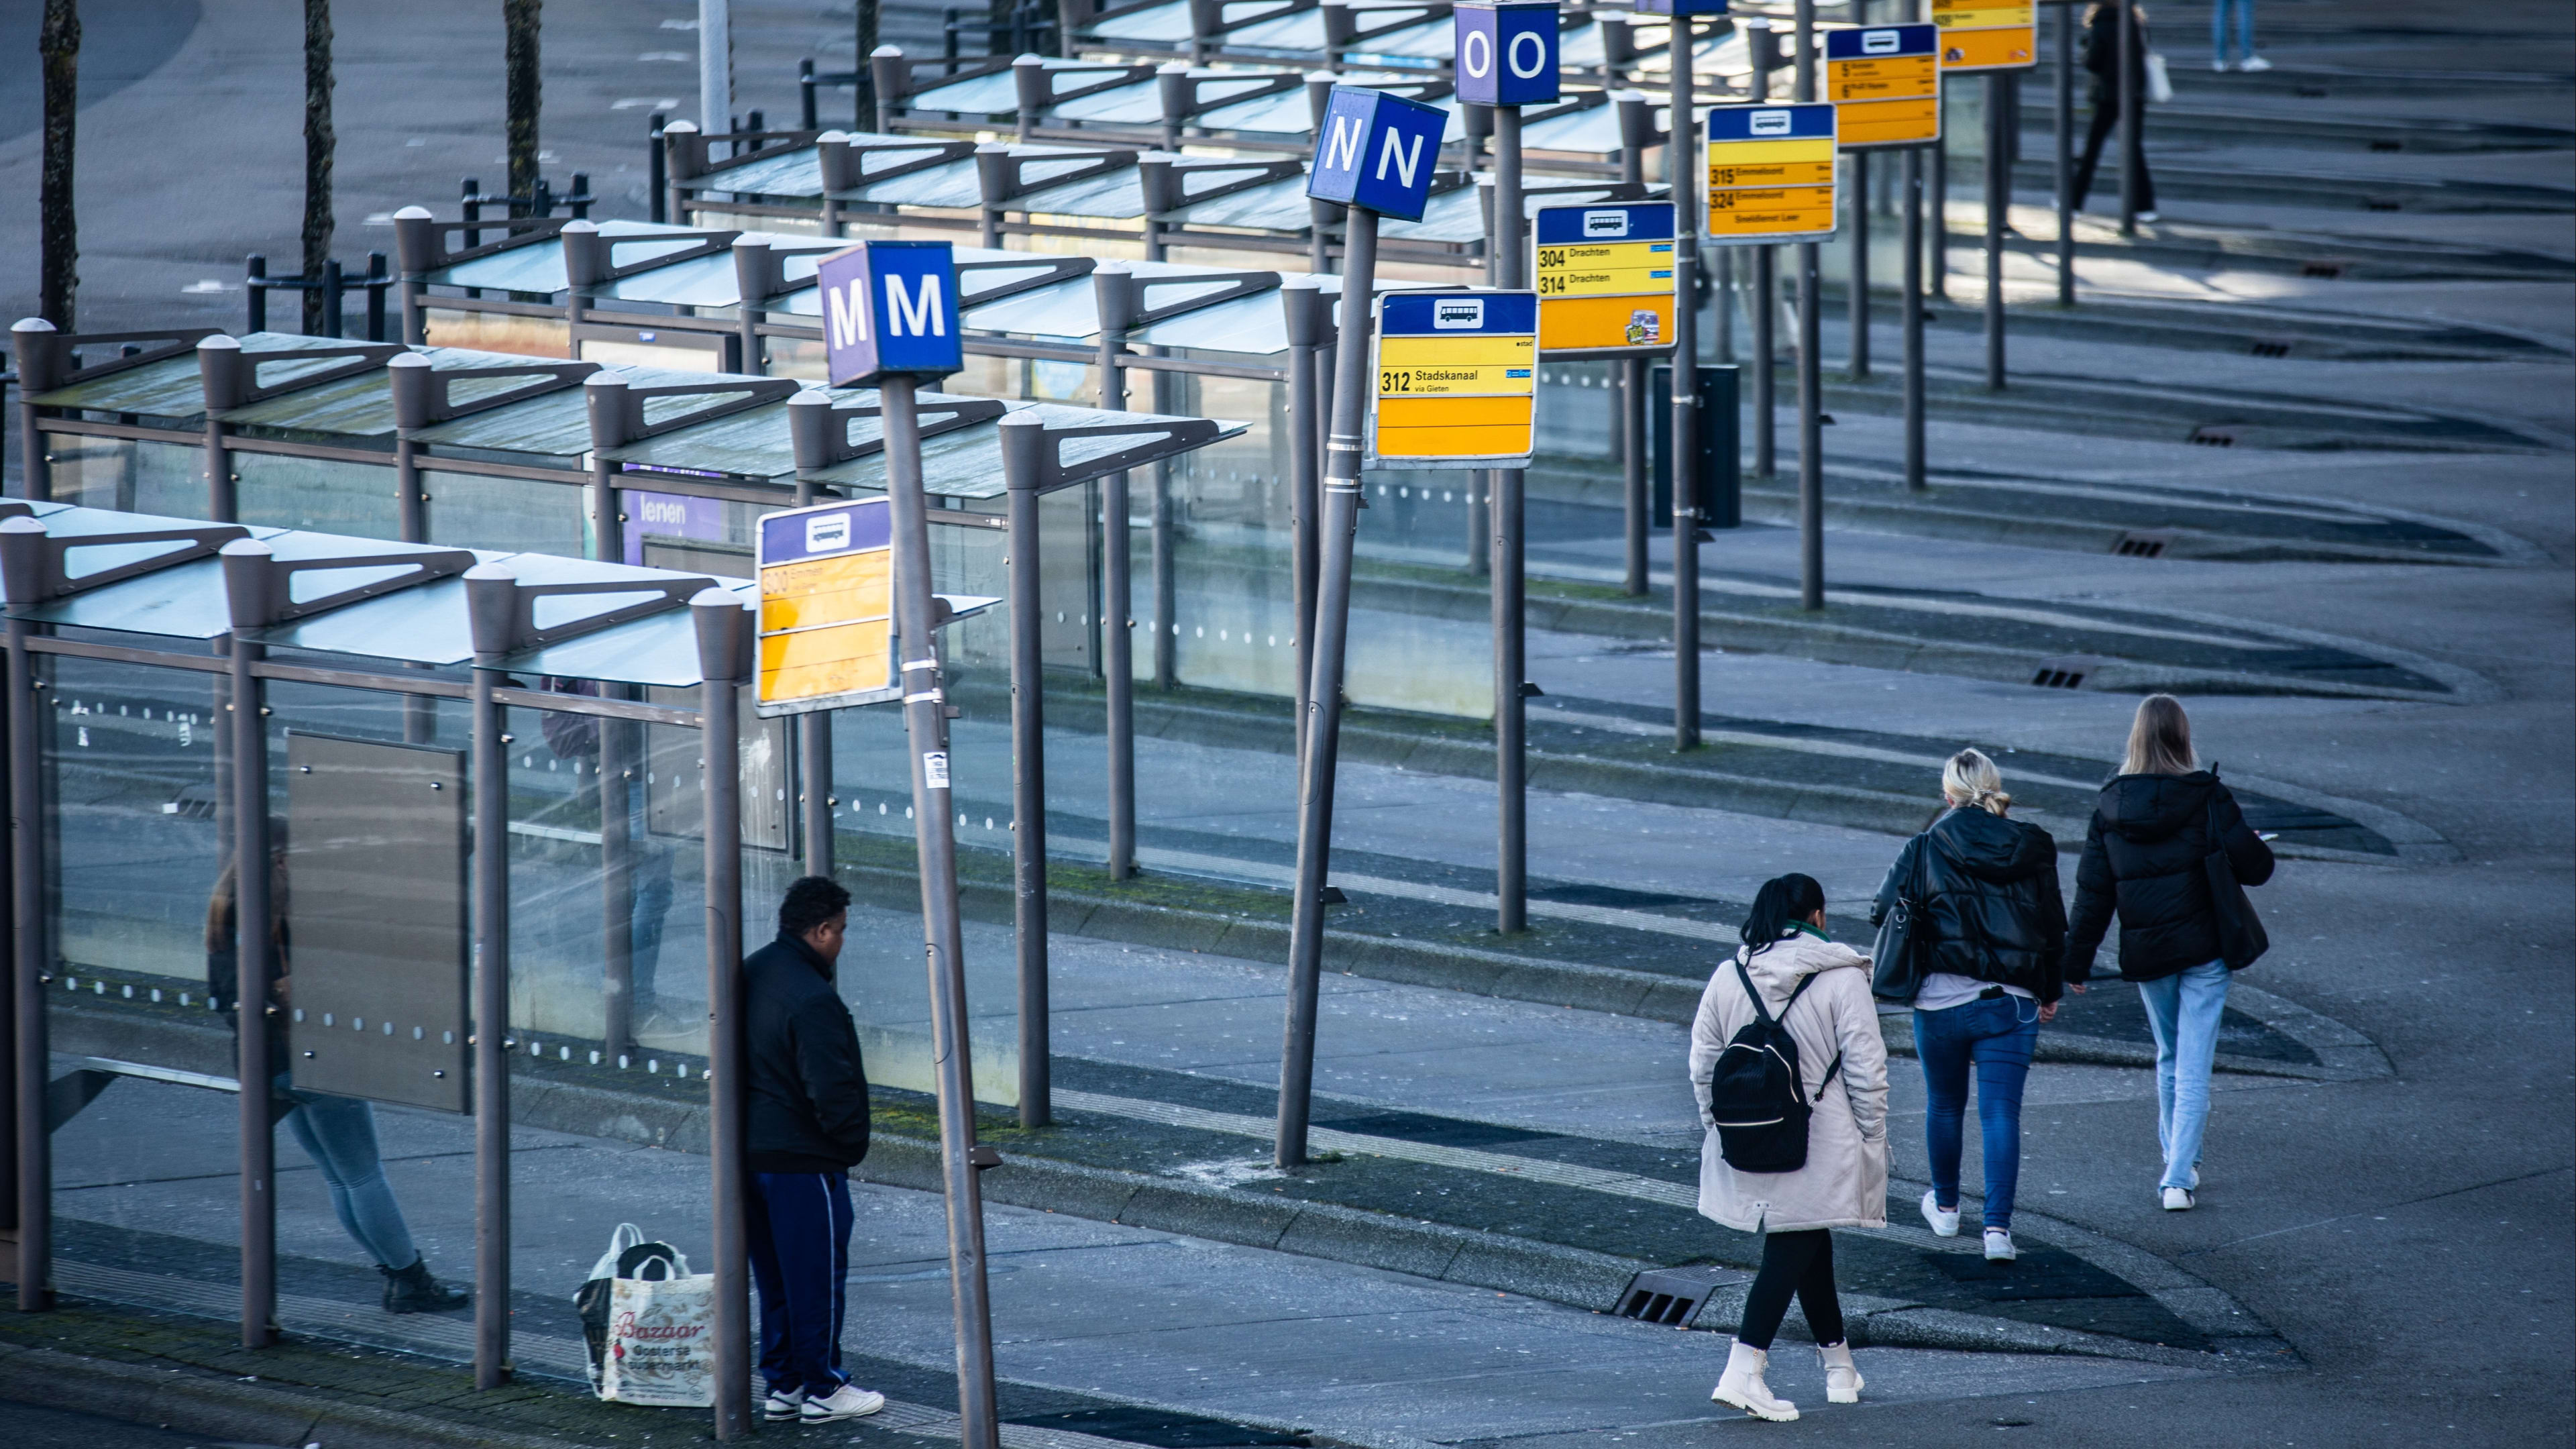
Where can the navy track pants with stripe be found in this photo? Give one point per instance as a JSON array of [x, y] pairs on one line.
[[799, 1234]]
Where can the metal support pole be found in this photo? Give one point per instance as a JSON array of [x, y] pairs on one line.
[[617, 754], [1937, 208], [1115, 290], [925, 721], [1324, 691], [1633, 494], [30, 338], [1511, 723], [1765, 308], [715, 70], [1856, 305], [1022, 440], [1306, 308], [490, 586], [2065, 128], [34, 1269], [814, 764], [1724, 287], [410, 508], [254, 939], [1687, 186], [1811, 390], [2130, 144], [1998, 199], [1913, 291], [724, 658]]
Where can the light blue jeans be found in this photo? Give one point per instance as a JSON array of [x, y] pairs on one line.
[[339, 1134], [2183, 1011], [2244, 29]]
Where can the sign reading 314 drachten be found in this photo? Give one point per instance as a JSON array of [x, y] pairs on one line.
[[1885, 83], [1770, 174], [1987, 34], [826, 608], [1457, 380], [1605, 279]]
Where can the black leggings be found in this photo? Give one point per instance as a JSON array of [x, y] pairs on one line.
[[1800, 1263]]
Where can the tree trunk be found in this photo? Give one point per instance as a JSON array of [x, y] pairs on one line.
[[520, 20], [58, 44], [318, 146]]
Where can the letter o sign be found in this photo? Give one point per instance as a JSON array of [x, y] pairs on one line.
[[1522, 35], [1476, 51], [1526, 43]]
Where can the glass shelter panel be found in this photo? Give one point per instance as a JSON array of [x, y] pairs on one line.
[[317, 494], [129, 475], [475, 510]]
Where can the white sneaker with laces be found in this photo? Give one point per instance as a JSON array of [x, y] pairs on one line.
[[1945, 1223], [2147, 216], [1999, 1246], [2255, 62], [783, 1405], [849, 1401], [2178, 1199], [2218, 65]]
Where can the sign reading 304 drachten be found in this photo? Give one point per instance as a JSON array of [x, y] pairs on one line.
[[1770, 174], [1987, 34], [1457, 380], [826, 608], [1885, 83], [1605, 279]]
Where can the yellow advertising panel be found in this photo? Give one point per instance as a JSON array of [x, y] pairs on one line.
[[1457, 380], [1885, 82], [1604, 275]]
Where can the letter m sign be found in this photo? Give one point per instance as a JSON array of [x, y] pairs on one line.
[[1377, 150], [890, 307]]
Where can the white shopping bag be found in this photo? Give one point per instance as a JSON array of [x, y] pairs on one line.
[[661, 1335]]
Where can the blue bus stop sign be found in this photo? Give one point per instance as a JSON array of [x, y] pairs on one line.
[[1681, 7], [890, 307], [1507, 53], [1377, 150]]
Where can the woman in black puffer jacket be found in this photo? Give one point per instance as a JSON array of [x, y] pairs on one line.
[[1992, 929], [2146, 858]]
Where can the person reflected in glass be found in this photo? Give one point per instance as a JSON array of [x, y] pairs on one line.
[[338, 1133], [575, 739]]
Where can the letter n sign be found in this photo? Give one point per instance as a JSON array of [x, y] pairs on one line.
[[1506, 53], [1377, 150], [890, 307]]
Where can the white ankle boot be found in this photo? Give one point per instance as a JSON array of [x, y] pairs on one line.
[[1742, 1386], [1843, 1382]]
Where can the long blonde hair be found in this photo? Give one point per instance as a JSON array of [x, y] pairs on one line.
[[1969, 778], [2160, 739]]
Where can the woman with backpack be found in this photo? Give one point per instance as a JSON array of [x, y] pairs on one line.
[[1791, 1078], [1988, 931], [2170, 853]]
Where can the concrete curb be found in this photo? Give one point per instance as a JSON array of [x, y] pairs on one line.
[[226, 1407]]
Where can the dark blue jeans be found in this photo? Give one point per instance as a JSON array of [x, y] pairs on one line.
[[339, 1134], [1996, 1038], [799, 1234]]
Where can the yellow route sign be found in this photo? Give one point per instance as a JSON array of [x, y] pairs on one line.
[[826, 608], [1986, 35], [1771, 173], [1605, 279], [1885, 83], [1457, 380]]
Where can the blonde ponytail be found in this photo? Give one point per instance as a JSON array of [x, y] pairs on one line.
[[1969, 778]]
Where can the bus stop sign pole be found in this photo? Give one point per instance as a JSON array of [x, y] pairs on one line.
[[891, 320], [1374, 153]]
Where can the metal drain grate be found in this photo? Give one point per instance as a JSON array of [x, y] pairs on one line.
[[2271, 347], [2211, 435], [1671, 1296], [2065, 672], [2142, 545]]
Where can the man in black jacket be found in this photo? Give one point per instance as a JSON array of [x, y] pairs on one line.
[[805, 1127]]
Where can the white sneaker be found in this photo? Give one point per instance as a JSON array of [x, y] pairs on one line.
[[1742, 1387], [849, 1401], [2147, 216], [1999, 1246], [2195, 1177], [1944, 1224], [2178, 1199], [2255, 62], [783, 1405], [2218, 65]]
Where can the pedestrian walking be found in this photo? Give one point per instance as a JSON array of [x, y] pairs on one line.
[[805, 1126], [2244, 12], [1990, 930], [1791, 1003], [2102, 61], [338, 1133], [2169, 853]]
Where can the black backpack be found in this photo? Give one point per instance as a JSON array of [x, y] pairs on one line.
[[1756, 1095]]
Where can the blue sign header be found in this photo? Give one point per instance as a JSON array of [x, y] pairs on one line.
[[1882, 40], [1809, 121], [1457, 314], [1635, 221], [837, 528]]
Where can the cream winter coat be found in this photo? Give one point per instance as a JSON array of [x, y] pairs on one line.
[[1844, 1184]]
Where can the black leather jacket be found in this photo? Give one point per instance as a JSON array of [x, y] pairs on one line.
[[2144, 860], [1989, 904]]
